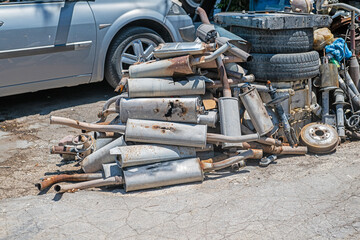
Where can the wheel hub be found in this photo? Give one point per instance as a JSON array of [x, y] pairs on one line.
[[319, 137]]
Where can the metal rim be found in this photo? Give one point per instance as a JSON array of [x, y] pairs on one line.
[[138, 50], [319, 137], [194, 3]]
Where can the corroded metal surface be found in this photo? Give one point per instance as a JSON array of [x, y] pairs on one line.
[[177, 134], [164, 109]]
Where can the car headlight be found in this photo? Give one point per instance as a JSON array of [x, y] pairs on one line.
[[176, 10]]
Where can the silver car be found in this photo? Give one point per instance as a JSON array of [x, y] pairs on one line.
[[55, 43]]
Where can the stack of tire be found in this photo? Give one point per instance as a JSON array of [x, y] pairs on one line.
[[281, 55]]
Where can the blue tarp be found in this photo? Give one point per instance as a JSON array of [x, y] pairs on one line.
[[336, 49]]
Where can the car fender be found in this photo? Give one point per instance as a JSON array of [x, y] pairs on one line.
[[104, 40]]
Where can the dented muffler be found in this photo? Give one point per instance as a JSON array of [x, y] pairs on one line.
[[169, 50], [134, 155], [230, 119], [163, 109], [178, 134], [175, 172], [178, 66], [255, 107]]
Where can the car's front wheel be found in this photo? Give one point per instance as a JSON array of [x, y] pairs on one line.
[[135, 44]]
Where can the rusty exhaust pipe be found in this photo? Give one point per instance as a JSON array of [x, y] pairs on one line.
[[203, 15], [111, 181], [213, 166], [49, 181], [177, 66], [278, 150], [87, 126]]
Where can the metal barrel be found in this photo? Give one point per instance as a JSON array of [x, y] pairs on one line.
[[163, 68], [166, 87], [229, 119], [94, 161], [210, 118], [163, 109], [162, 174], [256, 110], [136, 155], [178, 134]]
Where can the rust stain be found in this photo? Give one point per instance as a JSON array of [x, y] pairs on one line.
[[180, 66], [176, 107], [163, 129]]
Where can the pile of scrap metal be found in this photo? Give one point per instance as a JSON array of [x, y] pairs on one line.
[[195, 109]]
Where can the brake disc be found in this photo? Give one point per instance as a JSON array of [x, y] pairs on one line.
[[319, 138]]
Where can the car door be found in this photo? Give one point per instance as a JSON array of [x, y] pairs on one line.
[[45, 44]]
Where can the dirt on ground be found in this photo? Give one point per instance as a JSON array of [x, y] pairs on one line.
[[26, 134]]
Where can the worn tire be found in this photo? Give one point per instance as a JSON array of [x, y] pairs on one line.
[[112, 71], [277, 41], [284, 67]]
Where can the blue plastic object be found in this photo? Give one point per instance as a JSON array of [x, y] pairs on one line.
[[336, 49]]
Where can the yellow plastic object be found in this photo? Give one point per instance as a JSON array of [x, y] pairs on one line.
[[322, 37]]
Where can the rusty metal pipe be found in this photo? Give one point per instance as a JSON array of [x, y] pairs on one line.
[[63, 150], [278, 150], [203, 15], [113, 100], [48, 181], [204, 59], [269, 141], [263, 140], [223, 77], [111, 181], [105, 113], [246, 57], [217, 138], [227, 59], [87, 126], [207, 167], [106, 135]]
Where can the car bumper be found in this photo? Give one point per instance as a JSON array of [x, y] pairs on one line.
[[183, 27]]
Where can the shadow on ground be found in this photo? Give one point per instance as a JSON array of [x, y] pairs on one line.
[[44, 102]]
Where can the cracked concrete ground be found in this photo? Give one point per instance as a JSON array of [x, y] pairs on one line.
[[307, 197]]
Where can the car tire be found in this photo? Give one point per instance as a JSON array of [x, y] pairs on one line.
[[277, 41], [284, 67], [121, 44], [190, 6]]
